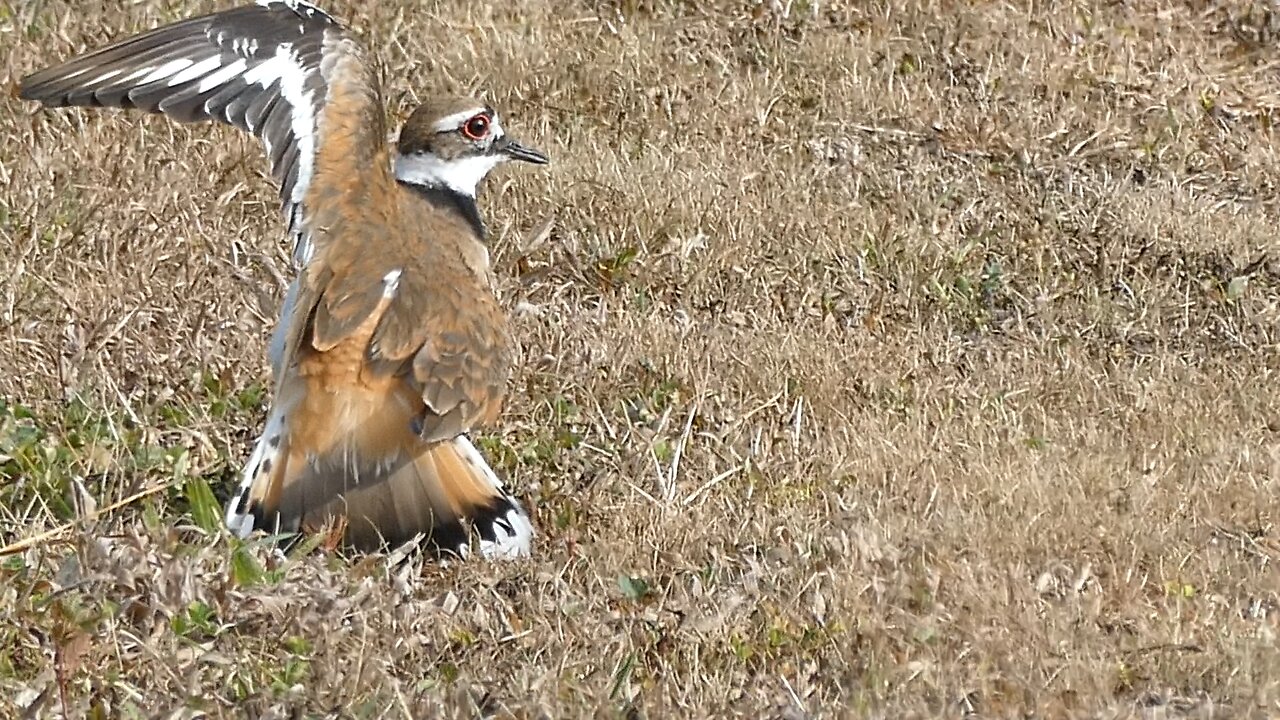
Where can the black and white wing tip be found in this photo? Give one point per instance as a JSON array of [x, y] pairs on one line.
[[256, 67]]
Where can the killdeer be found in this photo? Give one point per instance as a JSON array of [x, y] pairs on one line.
[[391, 346]]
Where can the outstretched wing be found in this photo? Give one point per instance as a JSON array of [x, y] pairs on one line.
[[269, 69]]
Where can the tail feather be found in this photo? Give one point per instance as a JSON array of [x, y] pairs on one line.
[[241, 517], [446, 492], [504, 527]]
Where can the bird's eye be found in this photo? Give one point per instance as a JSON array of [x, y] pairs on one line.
[[476, 128]]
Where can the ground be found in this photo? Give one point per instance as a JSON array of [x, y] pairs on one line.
[[887, 359]]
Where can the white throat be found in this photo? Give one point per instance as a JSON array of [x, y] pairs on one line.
[[462, 176]]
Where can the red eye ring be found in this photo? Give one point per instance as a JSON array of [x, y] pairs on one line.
[[477, 128]]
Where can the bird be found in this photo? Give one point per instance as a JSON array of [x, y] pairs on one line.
[[391, 348]]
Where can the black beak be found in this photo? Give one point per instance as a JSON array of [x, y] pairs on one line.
[[516, 151]]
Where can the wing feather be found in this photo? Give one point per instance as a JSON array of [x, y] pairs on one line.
[[261, 68]]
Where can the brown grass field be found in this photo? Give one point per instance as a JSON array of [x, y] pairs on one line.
[[879, 359]]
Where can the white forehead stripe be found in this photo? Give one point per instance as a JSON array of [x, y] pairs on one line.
[[450, 122]]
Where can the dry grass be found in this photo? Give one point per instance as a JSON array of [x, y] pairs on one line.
[[895, 358]]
